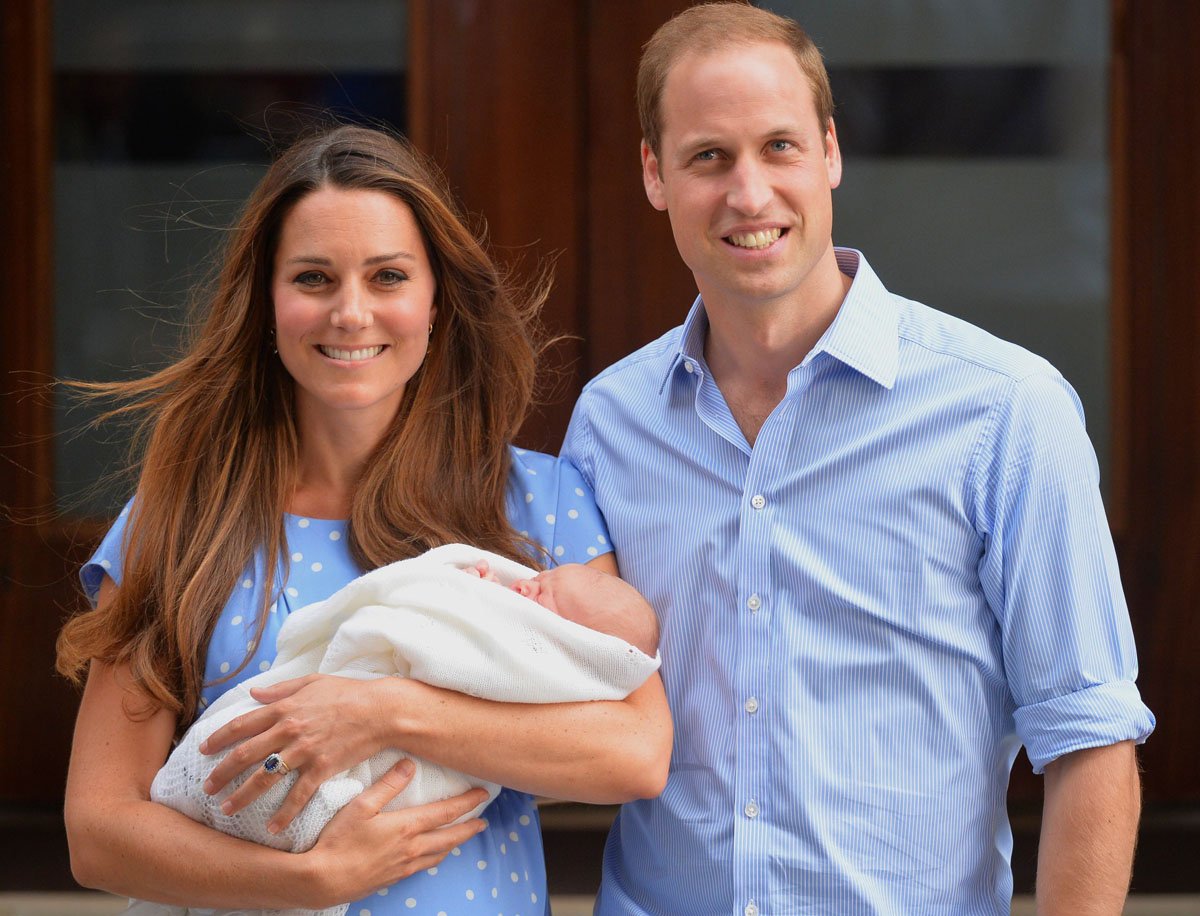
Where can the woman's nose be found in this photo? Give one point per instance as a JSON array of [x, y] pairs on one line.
[[353, 309]]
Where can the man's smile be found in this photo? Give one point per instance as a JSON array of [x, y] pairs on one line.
[[762, 238]]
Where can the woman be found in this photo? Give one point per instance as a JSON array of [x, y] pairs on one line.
[[348, 401]]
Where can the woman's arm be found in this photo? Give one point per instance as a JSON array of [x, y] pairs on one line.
[[124, 843], [601, 752]]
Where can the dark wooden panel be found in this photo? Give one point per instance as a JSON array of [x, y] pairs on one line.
[[496, 98], [637, 285], [1156, 317], [36, 707]]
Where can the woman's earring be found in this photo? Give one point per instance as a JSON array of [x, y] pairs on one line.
[[271, 342], [431, 329]]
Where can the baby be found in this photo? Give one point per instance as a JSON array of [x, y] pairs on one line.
[[567, 634], [590, 598]]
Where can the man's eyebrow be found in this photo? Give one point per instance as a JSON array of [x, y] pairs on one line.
[[698, 144]]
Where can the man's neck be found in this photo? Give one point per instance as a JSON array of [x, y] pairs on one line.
[[752, 346]]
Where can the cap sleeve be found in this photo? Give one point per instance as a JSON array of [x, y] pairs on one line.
[[109, 558], [550, 503]]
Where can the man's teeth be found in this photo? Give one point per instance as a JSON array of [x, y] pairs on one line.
[[760, 239], [351, 355]]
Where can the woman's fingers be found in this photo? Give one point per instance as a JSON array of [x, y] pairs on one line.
[[437, 844], [252, 752], [437, 814], [298, 796], [246, 725], [282, 690], [389, 846], [429, 828], [422, 818], [387, 787], [257, 720]]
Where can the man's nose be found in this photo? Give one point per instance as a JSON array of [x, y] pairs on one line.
[[750, 188]]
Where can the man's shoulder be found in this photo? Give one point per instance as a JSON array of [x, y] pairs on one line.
[[643, 369], [956, 341]]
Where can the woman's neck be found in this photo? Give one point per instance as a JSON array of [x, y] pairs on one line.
[[332, 456]]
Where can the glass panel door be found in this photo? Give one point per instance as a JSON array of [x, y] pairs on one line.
[[976, 179], [164, 114]]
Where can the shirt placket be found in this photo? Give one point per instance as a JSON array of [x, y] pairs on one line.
[[754, 693]]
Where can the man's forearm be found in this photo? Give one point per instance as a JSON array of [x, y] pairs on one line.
[[1089, 829]]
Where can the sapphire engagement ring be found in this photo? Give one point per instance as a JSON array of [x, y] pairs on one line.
[[274, 765]]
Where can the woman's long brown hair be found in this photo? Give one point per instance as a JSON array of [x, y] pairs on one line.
[[220, 441]]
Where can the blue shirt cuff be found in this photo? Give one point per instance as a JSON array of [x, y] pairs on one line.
[[1092, 717]]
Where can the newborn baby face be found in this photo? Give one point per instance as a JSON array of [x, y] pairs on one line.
[[541, 589], [595, 600], [588, 597], [574, 592], [569, 591]]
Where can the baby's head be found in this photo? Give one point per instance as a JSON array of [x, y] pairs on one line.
[[596, 600]]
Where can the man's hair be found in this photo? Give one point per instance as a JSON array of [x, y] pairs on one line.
[[711, 27]]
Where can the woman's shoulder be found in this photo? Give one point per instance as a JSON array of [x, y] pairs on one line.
[[532, 461], [108, 558], [550, 503], [536, 477]]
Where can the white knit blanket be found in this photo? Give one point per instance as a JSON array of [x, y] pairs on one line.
[[422, 618]]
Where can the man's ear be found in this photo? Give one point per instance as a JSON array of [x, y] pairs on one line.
[[833, 156], [652, 178]]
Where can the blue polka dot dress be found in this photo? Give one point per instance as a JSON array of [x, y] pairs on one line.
[[502, 869]]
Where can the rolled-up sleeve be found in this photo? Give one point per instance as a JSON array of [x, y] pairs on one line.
[[1050, 574]]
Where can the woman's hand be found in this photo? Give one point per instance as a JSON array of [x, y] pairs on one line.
[[363, 843], [319, 725]]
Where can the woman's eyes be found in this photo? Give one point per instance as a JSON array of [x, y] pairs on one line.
[[389, 276]]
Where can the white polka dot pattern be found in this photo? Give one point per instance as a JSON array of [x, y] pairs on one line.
[[501, 869]]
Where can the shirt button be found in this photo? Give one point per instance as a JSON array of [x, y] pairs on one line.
[[752, 705], [751, 808], [754, 602], [758, 501], [751, 909], [688, 366]]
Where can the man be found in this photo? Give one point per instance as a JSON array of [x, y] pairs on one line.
[[873, 535]]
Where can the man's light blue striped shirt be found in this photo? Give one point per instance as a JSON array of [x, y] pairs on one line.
[[863, 616]]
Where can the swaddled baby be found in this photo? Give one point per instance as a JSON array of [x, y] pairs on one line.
[[590, 598], [504, 633]]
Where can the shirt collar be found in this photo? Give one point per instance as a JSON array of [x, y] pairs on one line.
[[863, 335], [690, 352]]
